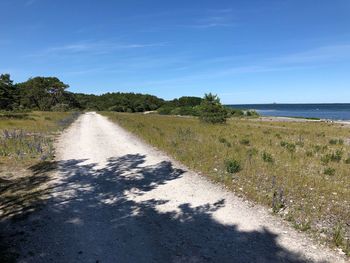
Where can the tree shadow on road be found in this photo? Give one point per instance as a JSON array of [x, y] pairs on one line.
[[90, 217]]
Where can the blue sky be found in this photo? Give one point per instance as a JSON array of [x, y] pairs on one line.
[[257, 51]]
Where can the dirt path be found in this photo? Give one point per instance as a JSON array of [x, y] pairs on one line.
[[118, 200]]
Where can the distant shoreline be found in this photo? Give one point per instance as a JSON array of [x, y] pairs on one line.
[[301, 119], [326, 112]]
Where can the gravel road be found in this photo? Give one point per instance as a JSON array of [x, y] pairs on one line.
[[116, 199]]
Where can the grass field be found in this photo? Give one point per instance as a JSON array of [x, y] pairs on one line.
[[26, 146], [27, 137], [299, 169]]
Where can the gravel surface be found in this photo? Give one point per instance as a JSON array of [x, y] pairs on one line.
[[116, 199]]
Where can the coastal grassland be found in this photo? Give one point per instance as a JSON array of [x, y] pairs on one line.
[[26, 147], [26, 153], [27, 137], [299, 169]]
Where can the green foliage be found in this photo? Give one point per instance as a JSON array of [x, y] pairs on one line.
[[329, 171], [336, 141], [120, 102], [267, 157], [347, 161], [332, 157], [232, 112], [7, 92], [42, 92], [225, 141], [184, 106], [165, 110], [212, 111], [338, 235], [185, 101], [277, 200], [50, 94], [235, 112], [245, 141], [233, 166], [291, 147], [185, 111]]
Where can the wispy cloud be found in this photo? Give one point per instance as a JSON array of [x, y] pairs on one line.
[[93, 48], [320, 54], [213, 18], [314, 58], [30, 2]]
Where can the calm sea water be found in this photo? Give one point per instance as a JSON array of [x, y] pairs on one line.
[[322, 111]]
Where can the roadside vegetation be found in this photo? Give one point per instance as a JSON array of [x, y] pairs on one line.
[[51, 94], [26, 147], [26, 162], [298, 169]]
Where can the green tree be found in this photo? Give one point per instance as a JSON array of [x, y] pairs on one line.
[[212, 111], [42, 93], [7, 92]]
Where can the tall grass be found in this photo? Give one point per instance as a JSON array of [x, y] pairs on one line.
[[26, 138], [277, 164]]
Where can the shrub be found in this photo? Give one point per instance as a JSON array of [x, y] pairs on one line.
[[267, 157], [309, 153], [277, 200], [337, 156], [224, 141], [235, 112], [338, 235], [333, 157], [245, 141], [165, 110], [329, 171], [284, 143], [252, 113], [347, 161], [233, 166], [60, 107], [336, 141], [211, 110], [185, 111]]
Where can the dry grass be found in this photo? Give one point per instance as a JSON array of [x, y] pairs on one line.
[[26, 150], [299, 169], [26, 138], [26, 144]]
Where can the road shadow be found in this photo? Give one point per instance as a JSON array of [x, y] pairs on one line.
[[90, 217]]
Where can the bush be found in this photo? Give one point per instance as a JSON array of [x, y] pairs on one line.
[[165, 110], [334, 157], [244, 141], [336, 141], [267, 157], [329, 171], [291, 147], [233, 166], [212, 111], [225, 142], [60, 107], [185, 111], [235, 112], [252, 113]]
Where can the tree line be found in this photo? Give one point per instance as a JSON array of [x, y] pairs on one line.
[[50, 94]]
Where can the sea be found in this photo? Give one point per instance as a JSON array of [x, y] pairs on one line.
[[339, 111]]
